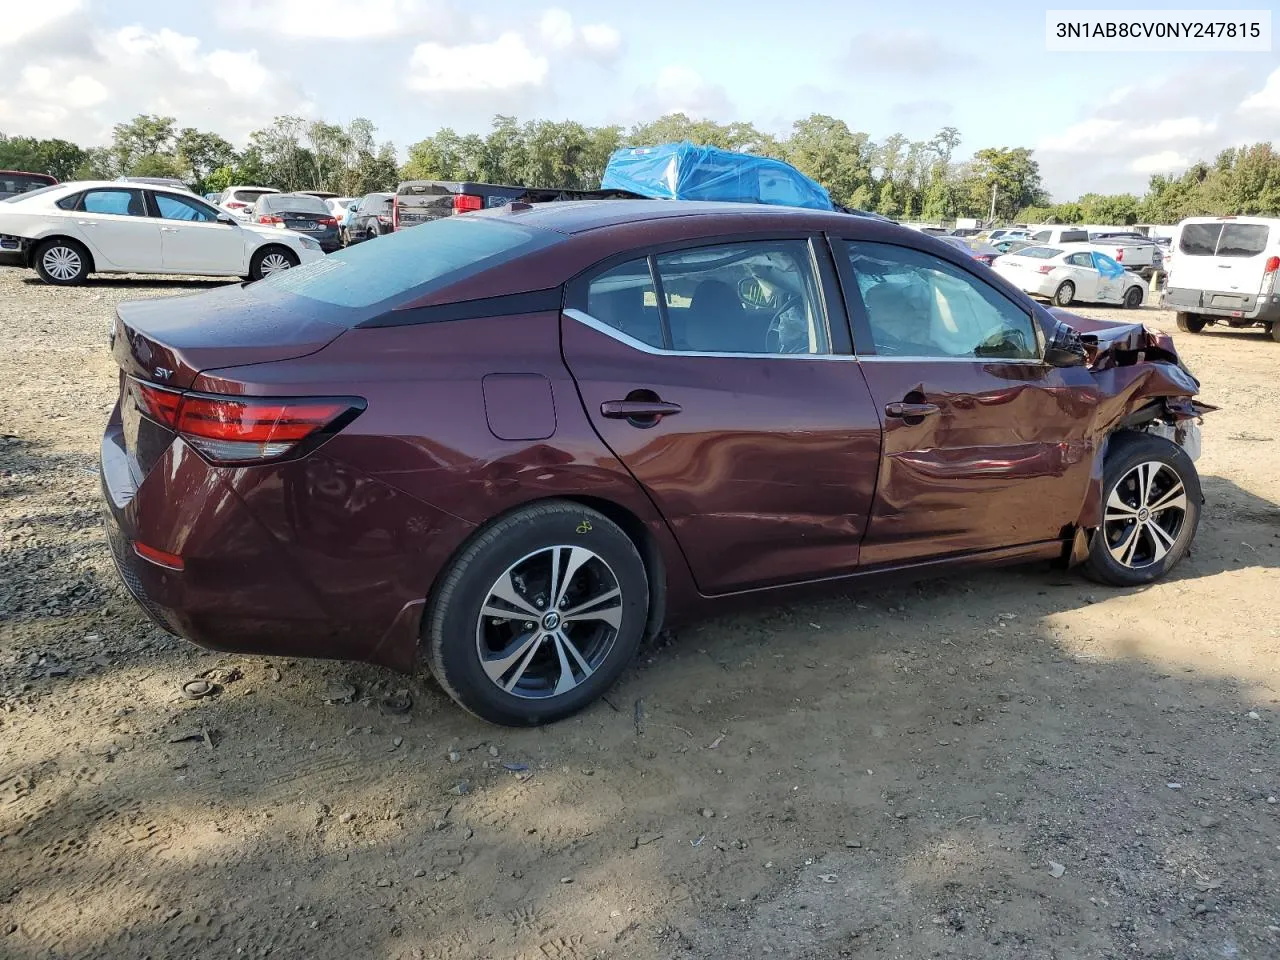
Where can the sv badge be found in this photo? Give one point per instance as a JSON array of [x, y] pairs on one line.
[[163, 373]]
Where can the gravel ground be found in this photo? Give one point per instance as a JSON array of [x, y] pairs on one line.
[[1016, 764]]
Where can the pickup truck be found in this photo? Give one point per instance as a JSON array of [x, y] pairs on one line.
[[419, 201], [1133, 251]]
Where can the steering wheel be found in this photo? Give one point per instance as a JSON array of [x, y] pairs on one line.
[[773, 341]]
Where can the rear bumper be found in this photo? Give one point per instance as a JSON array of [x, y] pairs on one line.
[[299, 559], [1221, 303]]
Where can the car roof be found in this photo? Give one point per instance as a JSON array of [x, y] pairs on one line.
[[249, 186], [581, 216]]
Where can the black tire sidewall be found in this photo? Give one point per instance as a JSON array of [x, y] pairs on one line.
[[79, 248], [1190, 323], [1126, 452], [1137, 303], [255, 265], [450, 634], [1057, 294]]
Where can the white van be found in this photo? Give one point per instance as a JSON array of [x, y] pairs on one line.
[[1224, 271]]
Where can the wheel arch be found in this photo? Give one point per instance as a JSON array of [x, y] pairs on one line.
[[628, 522], [39, 242]]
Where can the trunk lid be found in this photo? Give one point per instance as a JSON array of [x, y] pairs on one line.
[[169, 340]]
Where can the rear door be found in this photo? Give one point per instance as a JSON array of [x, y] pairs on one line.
[[984, 444], [721, 376], [1196, 269], [1241, 259], [192, 240], [114, 222]]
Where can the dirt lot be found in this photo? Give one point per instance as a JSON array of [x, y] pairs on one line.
[[1017, 764]]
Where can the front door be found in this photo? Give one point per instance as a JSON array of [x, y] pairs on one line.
[[711, 373], [193, 241], [985, 446]]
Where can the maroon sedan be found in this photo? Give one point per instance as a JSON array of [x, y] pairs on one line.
[[518, 440]]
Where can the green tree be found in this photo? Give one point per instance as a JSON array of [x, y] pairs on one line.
[[198, 154]]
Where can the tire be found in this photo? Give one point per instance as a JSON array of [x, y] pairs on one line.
[[1274, 330], [1065, 293], [1126, 551], [1190, 323], [1133, 298], [271, 259], [526, 658], [62, 262]]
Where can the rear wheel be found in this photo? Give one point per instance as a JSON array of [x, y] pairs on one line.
[[1065, 293], [1133, 298], [271, 260], [62, 262], [1274, 330], [1150, 511], [539, 615], [1190, 323]]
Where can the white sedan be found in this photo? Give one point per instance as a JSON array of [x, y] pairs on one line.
[[1070, 272], [68, 231]]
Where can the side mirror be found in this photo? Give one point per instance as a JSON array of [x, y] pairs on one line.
[[1065, 348], [227, 218]]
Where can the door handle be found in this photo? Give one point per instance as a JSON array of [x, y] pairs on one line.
[[638, 409], [908, 411], [85, 223]]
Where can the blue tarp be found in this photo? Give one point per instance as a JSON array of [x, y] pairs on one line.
[[1106, 266], [683, 171]]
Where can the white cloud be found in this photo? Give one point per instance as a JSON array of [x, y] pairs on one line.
[[598, 40], [1162, 127], [503, 64], [1163, 162], [350, 20], [34, 18], [91, 78], [1266, 100]]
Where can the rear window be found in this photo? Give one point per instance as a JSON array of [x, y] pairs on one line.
[[29, 193], [430, 188], [1040, 253], [1242, 240], [277, 202], [11, 183], [248, 196], [421, 260], [1073, 236], [1200, 239]]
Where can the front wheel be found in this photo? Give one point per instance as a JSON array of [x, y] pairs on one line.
[[271, 260], [1065, 293], [539, 615], [1133, 298], [1150, 511]]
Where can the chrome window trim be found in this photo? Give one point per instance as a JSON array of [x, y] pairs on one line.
[[600, 326]]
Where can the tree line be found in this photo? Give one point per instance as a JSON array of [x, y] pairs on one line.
[[898, 177]]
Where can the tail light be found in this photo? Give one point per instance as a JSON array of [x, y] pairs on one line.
[[271, 221], [395, 213], [1269, 276], [235, 205], [329, 222], [1119, 254], [467, 202], [1045, 268], [386, 220], [244, 430]]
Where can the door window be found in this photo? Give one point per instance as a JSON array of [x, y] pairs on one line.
[[918, 305], [751, 298], [176, 208], [124, 203], [1200, 239], [1080, 260], [624, 297]]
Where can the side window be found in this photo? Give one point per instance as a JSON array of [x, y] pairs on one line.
[[175, 208], [68, 203], [759, 298], [125, 203], [1200, 239], [624, 298], [1080, 260], [1042, 237], [1242, 240], [918, 305]]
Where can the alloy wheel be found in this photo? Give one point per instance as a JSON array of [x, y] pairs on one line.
[[549, 622], [274, 263], [61, 263], [1144, 514]]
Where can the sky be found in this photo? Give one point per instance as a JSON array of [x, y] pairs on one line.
[[1097, 121]]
